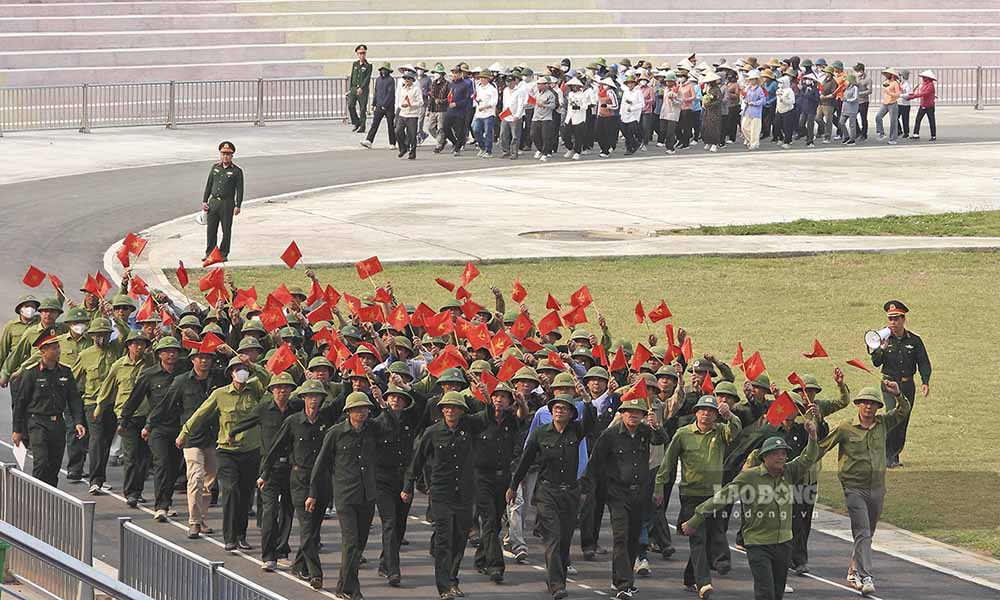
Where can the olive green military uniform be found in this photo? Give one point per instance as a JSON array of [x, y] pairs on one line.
[[91, 369], [767, 515], [11, 335], [223, 194], [357, 95]]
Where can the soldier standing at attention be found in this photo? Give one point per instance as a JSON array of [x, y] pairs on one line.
[[45, 393], [357, 95], [222, 200], [901, 355]]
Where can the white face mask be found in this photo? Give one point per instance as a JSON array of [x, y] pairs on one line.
[[438, 75], [78, 328], [28, 312], [241, 376]]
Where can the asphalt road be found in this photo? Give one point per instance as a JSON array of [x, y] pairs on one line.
[[64, 225]]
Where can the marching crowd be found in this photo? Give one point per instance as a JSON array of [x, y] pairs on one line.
[[592, 109], [488, 410]]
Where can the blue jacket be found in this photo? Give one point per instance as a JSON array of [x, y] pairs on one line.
[[385, 91], [771, 87], [461, 94], [808, 97]]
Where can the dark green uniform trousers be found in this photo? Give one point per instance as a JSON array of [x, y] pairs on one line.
[[802, 516], [392, 511], [101, 434], [452, 521], [307, 557], [357, 107], [76, 449], [592, 514], [168, 461], [220, 212], [697, 572], [558, 506], [355, 523], [47, 442], [237, 480], [135, 456], [626, 523], [895, 439], [491, 504], [276, 513], [769, 567]]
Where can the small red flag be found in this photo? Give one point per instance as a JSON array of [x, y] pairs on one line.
[[599, 353], [190, 344], [182, 274], [146, 310], [353, 303], [462, 328], [753, 366], [103, 284], [619, 363], [291, 255], [818, 351], [795, 380], [420, 315], [282, 358], [368, 267], [122, 254], [166, 317], [449, 358], [686, 350], [445, 284], [462, 294], [521, 326], [532, 101], [439, 325], [470, 273], [315, 293], [57, 283], [479, 336], [398, 318], [91, 286], [214, 257], [640, 313], [531, 344], [216, 295], [519, 293], [510, 367], [210, 343], [857, 363], [581, 297], [738, 359], [549, 323], [660, 312], [499, 344], [331, 295], [272, 318], [639, 357], [382, 295], [215, 278], [282, 295], [506, 113], [352, 365], [637, 391], [323, 336], [137, 286], [322, 313], [574, 317], [244, 298], [707, 387], [490, 381], [371, 314], [471, 309], [551, 303], [135, 244], [782, 408], [669, 330], [556, 361]]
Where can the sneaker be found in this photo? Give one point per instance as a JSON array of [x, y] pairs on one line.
[[559, 594], [623, 595], [853, 580], [505, 155], [284, 563], [95, 490], [915, 136], [707, 146], [394, 580], [576, 156], [316, 583], [229, 547], [660, 144], [836, 137], [881, 136], [487, 155], [513, 156], [810, 145], [801, 570], [789, 589], [892, 142], [705, 592], [194, 532], [642, 148], [867, 586], [671, 152], [642, 568], [160, 516], [521, 557], [713, 148], [786, 146], [826, 141], [438, 149], [690, 587], [456, 592], [586, 153], [269, 566], [851, 143], [206, 530], [569, 154], [480, 154], [366, 144], [604, 155], [392, 146], [668, 552], [132, 502], [544, 158], [243, 545], [538, 154], [571, 570], [457, 153], [74, 477], [933, 138]]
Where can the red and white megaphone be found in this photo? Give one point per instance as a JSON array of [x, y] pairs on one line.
[[874, 339]]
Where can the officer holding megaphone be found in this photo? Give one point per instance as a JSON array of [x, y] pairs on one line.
[[901, 354]]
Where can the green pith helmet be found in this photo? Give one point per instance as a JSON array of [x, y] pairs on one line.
[[526, 374], [545, 365], [122, 301], [563, 380], [453, 399], [249, 343], [773, 443], [213, 328], [399, 392], [190, 321], [636, 404], [365, 350], [581, 353], [504, 387], [357, 400], [727, 388], [404, 342], [453, 375], [667, 371], [762, 381], [319, 326], [235, 361], [597, 373], [296, 290], [580, 334], [871, 394], [313, 386], [167, 342], [77, 314], [213, 315], [627, 347], [478, 367], [451, 303], [658, 352], [137, 336], [25, 299], [99, 325], [283, 378], [400, 368], [703, 366], [290, 333], [320, 361], [254, 326], [51, 304], [566, 399], [707, 402], [350, 331], [811, 383], [797, 398]]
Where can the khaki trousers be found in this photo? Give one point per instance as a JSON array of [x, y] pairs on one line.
[[202, 466]]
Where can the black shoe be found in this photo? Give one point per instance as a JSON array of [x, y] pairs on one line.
[[559, 595], [362, 129], [723, 568], [354, 129], [589, 555], [394, 580], [230, 547], [497, 578], [74, 477], [316, 583], [933, 138], [668, 552], [455, 592], [851, 143], [243, 545], [302, 576], [405, 542], [412, 157], [132, 502]]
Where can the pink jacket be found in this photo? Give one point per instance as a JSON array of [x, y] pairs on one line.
[[926, 93]]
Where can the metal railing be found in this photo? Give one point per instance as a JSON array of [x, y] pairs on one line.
[[56, 559], [166, 571], [57, 519], [259, 101]]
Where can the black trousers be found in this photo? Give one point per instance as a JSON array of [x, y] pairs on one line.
[[685, 128], [806, 126], [930, 118], [456, 128], [355, 523], [357, 107], [784, 126], [606, 130], [578, 137], [895, 439], [490, 507], [237, 480], [731, 123], [697, 570], [101, 434], [136, 458], [542, 134], [626, 523], [526, 121], [767, 121], [557, 510], [668, 133], [47, 440], [590, 131], [276, 513], [769, 567], [904, 119], [659, 528], [406, 135], [648, 122], [863, 118], [307, 557], [633, 136], [168, 461], [452, 521], [389, 114], [76, 449], [392, 511], [220, 212], [802, 517], [592, 514]]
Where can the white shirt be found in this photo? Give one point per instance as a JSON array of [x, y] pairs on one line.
[[486, 100], [632, 103], [576, 107], [410, 100], [515, 100]]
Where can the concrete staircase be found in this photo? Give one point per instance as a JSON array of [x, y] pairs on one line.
[[76, 41]]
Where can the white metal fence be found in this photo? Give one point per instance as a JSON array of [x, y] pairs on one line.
[[54, 517], [259, 101]]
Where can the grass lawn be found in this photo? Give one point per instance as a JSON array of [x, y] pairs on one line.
[[955, 224], [778, 306]]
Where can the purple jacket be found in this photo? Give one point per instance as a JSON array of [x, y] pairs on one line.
[[755, 98]]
